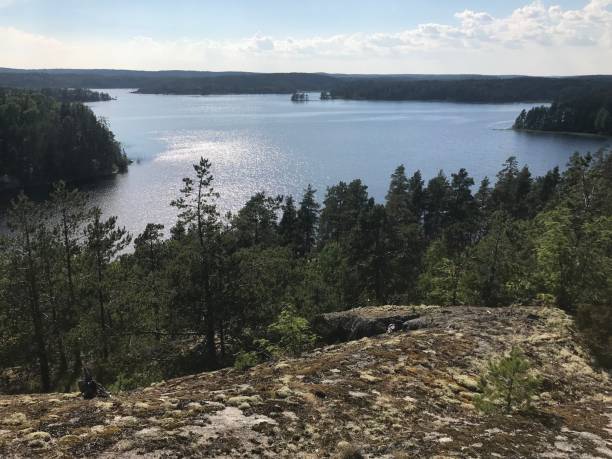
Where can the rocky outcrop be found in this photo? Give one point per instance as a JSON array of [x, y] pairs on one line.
[[406, 394], [359, 323]]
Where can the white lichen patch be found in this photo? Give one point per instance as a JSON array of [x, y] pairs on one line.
[[14, 419], [231, 423]]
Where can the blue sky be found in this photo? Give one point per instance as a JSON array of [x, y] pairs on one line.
[[384, 36], [238, 18]]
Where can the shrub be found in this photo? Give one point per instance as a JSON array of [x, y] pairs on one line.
[[595, 323], [508, 384], [290, 334], [126, 381], [245, 360], [545, 299]]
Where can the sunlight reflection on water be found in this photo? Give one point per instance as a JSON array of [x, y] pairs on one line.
[[267, 143]]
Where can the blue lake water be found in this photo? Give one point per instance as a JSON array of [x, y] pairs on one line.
[[266, 142]]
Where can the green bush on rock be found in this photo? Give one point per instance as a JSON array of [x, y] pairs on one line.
[[508, 384]]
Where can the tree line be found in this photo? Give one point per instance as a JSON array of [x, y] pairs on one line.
[[468, 89], [589, 113], [47, 136], [244, 284], [454, 88], [76, 95]]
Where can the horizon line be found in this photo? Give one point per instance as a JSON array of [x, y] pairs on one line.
[[94, 69]]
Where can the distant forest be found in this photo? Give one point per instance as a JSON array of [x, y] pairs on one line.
[[453, 88], [76, 95], [585, 113], [490, 90], [274, 83], [46, 136], [170, 82]]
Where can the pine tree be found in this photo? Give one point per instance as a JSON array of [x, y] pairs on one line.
[[404, 241], [104, 240], [508, 384], [198, 213], [287, 226], [417, 195], [398, 202], [307, 221], [24, 220], [436, 205]]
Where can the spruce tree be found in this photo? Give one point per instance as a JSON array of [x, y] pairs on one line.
[[307, 221]]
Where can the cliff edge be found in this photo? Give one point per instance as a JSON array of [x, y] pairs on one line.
[[401, 394]]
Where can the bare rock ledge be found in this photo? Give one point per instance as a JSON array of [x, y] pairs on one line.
[[406, 394]]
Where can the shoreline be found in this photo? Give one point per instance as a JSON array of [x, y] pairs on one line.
[[568, 133]]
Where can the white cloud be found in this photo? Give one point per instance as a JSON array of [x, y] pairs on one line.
[[532, 39]]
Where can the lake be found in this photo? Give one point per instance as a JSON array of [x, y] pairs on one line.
[[266, 142]]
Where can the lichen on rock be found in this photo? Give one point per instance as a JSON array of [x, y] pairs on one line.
[[404, 394]]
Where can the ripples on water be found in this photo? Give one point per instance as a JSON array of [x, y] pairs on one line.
[[268, 143]]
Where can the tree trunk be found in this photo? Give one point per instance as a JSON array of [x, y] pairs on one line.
[[211, 348], [39, 337], [222, 339], [102, 310]]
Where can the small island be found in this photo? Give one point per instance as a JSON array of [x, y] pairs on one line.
[[299, 96]]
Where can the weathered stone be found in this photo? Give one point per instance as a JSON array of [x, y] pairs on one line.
[[240, 399], [416, 324], [149, 433], [124, 420], [466, 381], [141, 406], [194, 406], [38, 435], [14, 419], [405, 392], [104, 405], [284, 392], [368, 378], [361, 322]]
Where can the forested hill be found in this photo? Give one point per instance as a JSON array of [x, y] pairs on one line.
[[475, 89], [455, 88], [589, 113], [172, 81], [43, 140], [262, 83]]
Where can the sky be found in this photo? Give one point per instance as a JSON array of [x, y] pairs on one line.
[[544, 37]]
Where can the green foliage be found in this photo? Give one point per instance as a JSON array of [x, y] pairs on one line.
[[290, 334], [76, 95], [507, 384], [246, 360], [133, 380], [44, 140], [73, 292], [558, 255], [498, 270], [584, 111], [483, 89], [440, 280]]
